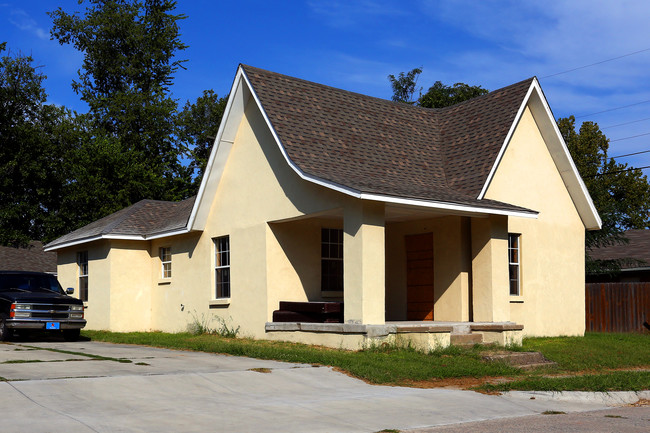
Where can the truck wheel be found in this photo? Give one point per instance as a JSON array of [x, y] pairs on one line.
[[71, 334], [5, 333]]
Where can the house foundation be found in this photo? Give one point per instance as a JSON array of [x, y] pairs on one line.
[[423, 336]]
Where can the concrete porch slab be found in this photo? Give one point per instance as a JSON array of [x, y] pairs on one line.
[[422, 335]]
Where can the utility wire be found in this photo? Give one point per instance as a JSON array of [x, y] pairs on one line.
[[594, 64], [630, 154], [613, 109], [626, 123], [618, 171], [632, 136]]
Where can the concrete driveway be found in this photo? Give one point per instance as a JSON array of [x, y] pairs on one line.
[[100, 387]]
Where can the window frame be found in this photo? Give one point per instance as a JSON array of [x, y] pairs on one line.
[[332, 260], [82, 270], [222, 267], [165, 265], [514, 263]]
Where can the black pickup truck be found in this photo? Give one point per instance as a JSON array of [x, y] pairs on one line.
[[32, 301]]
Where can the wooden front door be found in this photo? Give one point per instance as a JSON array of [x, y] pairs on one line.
[[419, 277]]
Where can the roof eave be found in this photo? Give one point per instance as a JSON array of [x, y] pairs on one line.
[[115, 236], [536, 99]]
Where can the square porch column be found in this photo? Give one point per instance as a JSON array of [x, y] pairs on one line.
[[364, 262], [490, 286]]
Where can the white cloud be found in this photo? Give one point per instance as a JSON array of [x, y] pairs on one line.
[[23, 21]]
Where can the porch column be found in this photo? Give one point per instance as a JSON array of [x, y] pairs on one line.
[[490, 289], [364, 262]]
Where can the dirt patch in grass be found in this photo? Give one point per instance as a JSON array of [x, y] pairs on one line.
[[455, 382]]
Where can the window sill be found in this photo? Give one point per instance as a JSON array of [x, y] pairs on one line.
[[220, 302], [514, 300], [164, 282], [332, 293]]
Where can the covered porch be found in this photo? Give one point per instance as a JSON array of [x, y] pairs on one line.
[[404, 273]]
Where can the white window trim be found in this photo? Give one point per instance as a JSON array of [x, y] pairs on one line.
[[221, 300], [80, 269], [163, 262], [330, 293], [517, 263]]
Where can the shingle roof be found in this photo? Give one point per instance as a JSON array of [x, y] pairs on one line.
[[638, 248], [30, 258], [145, 218], [387, 148]]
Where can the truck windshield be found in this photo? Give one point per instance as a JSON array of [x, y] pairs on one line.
[[30, 283]]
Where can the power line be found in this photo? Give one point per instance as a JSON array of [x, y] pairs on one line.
[[594, 64], [618, 171], [626, 123], [632, 136], [630, 154], [613, 109]]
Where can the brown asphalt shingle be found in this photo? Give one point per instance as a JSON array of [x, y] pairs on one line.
[[30, 258], [382, 147], [145, 218], [638, 249], [366, 144]]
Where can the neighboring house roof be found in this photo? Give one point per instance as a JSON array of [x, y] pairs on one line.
[[638, 249], [30, 258], [147, 219]]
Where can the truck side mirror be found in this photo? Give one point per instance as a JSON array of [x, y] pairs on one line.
[[69, 290]]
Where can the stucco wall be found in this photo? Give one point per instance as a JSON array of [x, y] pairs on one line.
[[98, 309], [261, 214], [129, 284], [552, 246]]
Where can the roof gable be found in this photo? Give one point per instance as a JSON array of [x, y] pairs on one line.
[[389, 148], [368, 147]]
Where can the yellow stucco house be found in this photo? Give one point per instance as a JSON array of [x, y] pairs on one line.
[[425, 223]]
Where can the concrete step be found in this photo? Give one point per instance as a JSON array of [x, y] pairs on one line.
[[465, 339], [521, 359]]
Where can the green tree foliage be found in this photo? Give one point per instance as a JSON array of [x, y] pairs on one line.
[[129, 151], [198, 125], [438, 96], [621, 194], [34, 140], [405, 85]]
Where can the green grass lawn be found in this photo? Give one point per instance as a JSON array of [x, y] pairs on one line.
[[584, 363]]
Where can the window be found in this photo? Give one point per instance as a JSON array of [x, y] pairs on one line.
[[82, 261], [331, 278], [222, 266], [514, 260], [166, 262]]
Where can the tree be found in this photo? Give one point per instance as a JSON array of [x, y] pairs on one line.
[[32, 170], [620, 193], [405, 86], [198, 125], [439, 95], [130, 152]]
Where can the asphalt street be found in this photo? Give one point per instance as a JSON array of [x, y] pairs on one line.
[[99, 387]]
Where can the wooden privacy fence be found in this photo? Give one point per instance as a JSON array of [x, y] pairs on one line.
[[617, 307]]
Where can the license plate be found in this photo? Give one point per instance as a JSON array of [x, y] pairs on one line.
[[52, 325]]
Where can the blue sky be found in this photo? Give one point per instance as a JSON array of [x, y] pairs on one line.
[[354, 45]]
